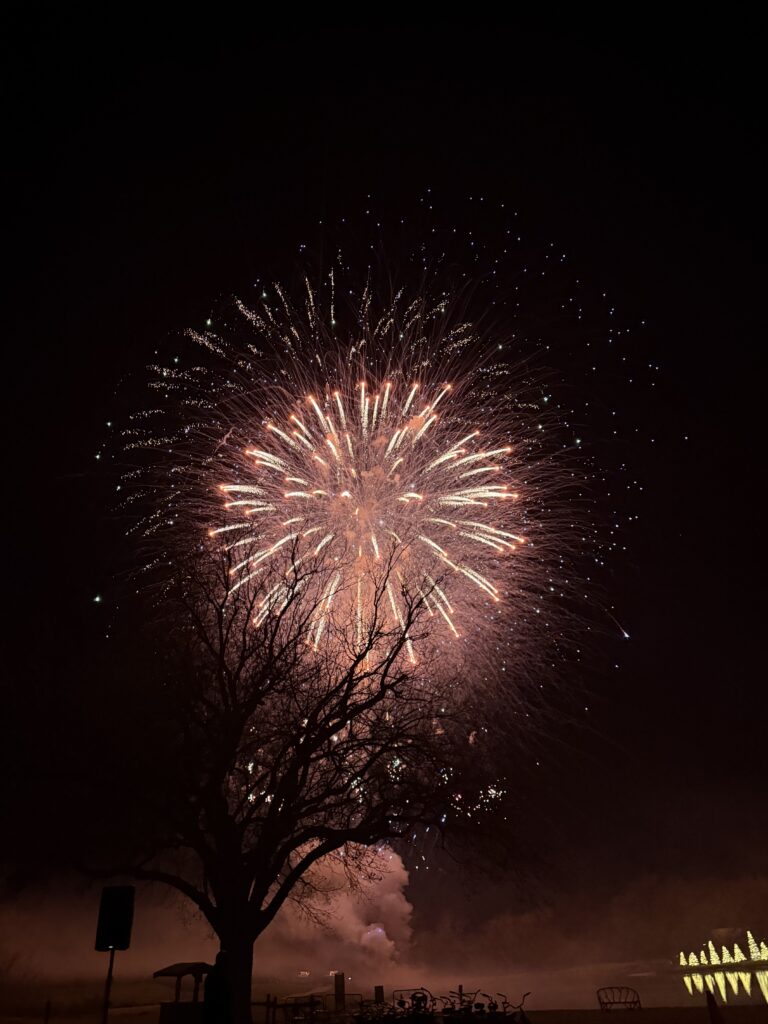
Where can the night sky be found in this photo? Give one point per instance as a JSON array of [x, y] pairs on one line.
[[157, 168]]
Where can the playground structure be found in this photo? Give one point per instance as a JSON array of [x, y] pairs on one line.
[[415, 1002], [338, 1006]]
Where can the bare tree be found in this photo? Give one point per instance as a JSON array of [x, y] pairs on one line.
[[298, 730]]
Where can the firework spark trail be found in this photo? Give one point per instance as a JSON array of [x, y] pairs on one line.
[[393, 468], [403, 444]]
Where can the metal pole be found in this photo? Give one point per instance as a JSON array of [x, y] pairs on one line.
[[108, 986]]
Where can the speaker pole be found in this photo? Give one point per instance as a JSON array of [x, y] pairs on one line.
[[108, 986]]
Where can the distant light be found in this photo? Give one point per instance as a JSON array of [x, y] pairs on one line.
[[97, 599]]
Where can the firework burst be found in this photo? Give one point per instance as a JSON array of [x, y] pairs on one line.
[[400, 438], [379, 474]]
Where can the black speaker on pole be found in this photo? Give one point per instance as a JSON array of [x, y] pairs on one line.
[[113, 930]]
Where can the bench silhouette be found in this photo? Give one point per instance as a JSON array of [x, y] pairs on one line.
[[616, 995]]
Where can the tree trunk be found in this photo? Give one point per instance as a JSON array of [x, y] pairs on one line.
[[239, 947]]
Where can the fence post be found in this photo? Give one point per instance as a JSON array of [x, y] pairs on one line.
[[340, 999]]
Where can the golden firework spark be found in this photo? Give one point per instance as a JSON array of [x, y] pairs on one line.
[[371, 473]]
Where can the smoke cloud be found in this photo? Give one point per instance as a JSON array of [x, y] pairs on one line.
[[398, 935]]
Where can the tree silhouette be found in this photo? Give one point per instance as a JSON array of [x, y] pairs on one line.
[[293, 732]]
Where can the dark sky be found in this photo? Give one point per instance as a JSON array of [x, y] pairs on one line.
[[156, 167]]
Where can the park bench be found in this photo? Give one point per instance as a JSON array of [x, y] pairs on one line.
[[620, 996]]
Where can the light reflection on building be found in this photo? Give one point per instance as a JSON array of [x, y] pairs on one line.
[[725, 971]]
